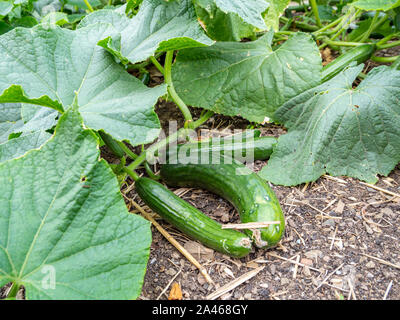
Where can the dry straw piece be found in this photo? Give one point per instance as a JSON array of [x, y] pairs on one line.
[[235, 283]]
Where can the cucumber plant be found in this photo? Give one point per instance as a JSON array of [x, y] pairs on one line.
[[67, 86]]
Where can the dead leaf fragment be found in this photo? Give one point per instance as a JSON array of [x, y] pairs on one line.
[[339, 207], [176, 292], [199, 251]]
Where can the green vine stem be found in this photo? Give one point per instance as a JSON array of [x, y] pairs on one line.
[[134, 156], [157, 64], [345, 21], [387, 38], [371, 27], [388, 45], [13, 292], [329, 26], [171, 90], [181, 133], [314, 7], [131, 173], [143, 65], [396, 64], [300, 25], [88, 5], [384, 59], [342, 43]]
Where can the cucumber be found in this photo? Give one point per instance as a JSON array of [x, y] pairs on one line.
[[259, 148], [190, 220], [245, 190], [358, 54], [112, 144]]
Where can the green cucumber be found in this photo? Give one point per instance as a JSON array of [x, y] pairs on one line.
[[190, 220], [252, 197], [358, 54], [258, 148], [112, 144]]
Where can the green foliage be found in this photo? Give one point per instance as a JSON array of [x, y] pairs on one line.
[[250, 11], [62, 213], [222, 26], [69, 65], [247, 79], [339, 130], [275, 10], [158, 26], [376, 4]]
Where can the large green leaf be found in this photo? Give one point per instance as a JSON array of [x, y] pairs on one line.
[[250, 10], [5, 8], [81, 4], [340, 130], [219, 25], [30, 120], [376, 4], [65, 232], [17, 147], [247, 79], [159, 26], [9, 127], [10, 112], [275, 10], [51, 66], [37, 118]]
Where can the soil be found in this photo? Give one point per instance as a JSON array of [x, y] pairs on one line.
[[342, 237]]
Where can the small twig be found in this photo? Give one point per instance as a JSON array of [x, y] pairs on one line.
[[175, 243], [323, 214], [333, 238], [288, 260], [336, 287], [232, 285], [328, 276], [275, 295], [301, 239], [249, 225], [382, 261], [334, 179], [330, 204], [381, 189], [296, 266], [368, 220], [166, 288], [351, 293], [305, 187], [388, 290]]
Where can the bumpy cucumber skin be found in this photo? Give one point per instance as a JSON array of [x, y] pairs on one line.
[[258, 149], [190, 220], [358, 54], [248, 193]]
